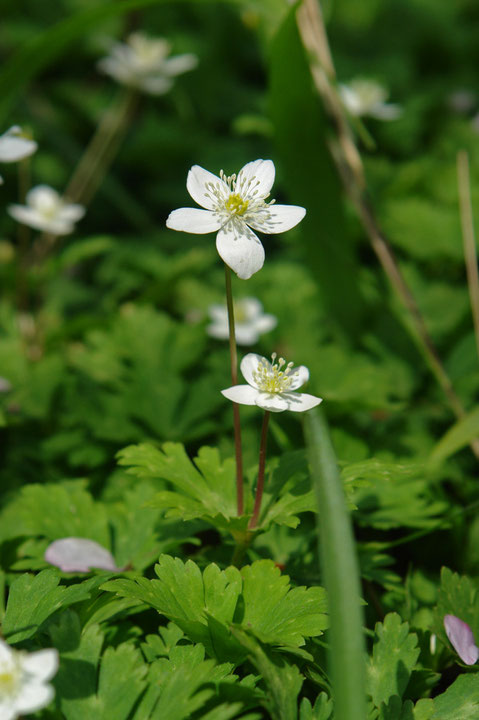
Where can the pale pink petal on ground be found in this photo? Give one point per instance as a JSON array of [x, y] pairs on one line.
[[79, 555], [240, 249], [461, 638], [242, 394], [193, 220]]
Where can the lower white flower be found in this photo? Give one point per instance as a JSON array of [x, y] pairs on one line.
[[46, 210], [142, 62], [250, 321], [367, 97], [15, 146], [233, 205], [272, 385], [24, 680]]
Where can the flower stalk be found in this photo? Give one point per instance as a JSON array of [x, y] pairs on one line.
[[469, 242], [101, 150], [234, 379], [261, 465]]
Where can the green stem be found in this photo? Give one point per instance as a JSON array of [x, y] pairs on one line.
[[23, 236], [261, 465], [99, 154], [341, 574], [234, 379]]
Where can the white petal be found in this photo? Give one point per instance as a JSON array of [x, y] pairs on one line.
[[242, 394], [13, 147], [193, 220], [246, 334], [276, 218], [71, 212], [265, 323], [220, 331], [79, 555], [179, 64], [386, 111], [152, 85], [218, 313], [249, 367], [274, 402], [6, 652], [32, 218], [196, 184], [240, 249], [256, 176], [42, 664], [300, 402], [7, 712], [300, 375], [34, 697], [251, 307], [42, 195]]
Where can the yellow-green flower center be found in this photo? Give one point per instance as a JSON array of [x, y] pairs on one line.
[[9, 681], [271, 378], [236, 205]]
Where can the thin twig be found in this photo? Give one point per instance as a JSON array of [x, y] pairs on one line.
[[261, 465], [350, 167], [467, 224]]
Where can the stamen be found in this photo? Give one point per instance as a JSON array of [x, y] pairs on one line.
[[271, 378]]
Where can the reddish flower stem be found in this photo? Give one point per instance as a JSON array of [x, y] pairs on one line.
[[261, 464]]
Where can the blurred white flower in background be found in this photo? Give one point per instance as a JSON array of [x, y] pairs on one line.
[[271, 385], [14, 146], [46, 210], [250, 321], [24, 680], [367, 97], [234, 205], [144, 63]]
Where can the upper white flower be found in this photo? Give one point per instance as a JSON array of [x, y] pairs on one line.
[[142, 62], [14, 146], [250, 321], [233, 206], [46, 210], [24, 680], [271, 386], [367, 97]]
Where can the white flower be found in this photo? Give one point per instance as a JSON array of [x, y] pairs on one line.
[[271, 386], [233, 206], [461, 638], [14, 146], [46, 210], [24, 680], [74, 554], [250, 321], [367, 97], [143, 63]]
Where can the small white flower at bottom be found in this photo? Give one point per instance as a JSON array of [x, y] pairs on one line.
[[366, 97], [75, 554], [24, 680], [461, 638], [272, 385], [46, 210], [14, 146], [250, 321], [233, 205]]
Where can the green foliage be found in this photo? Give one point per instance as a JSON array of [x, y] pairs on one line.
[[35, 598], [394, 656], [207, 605]]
